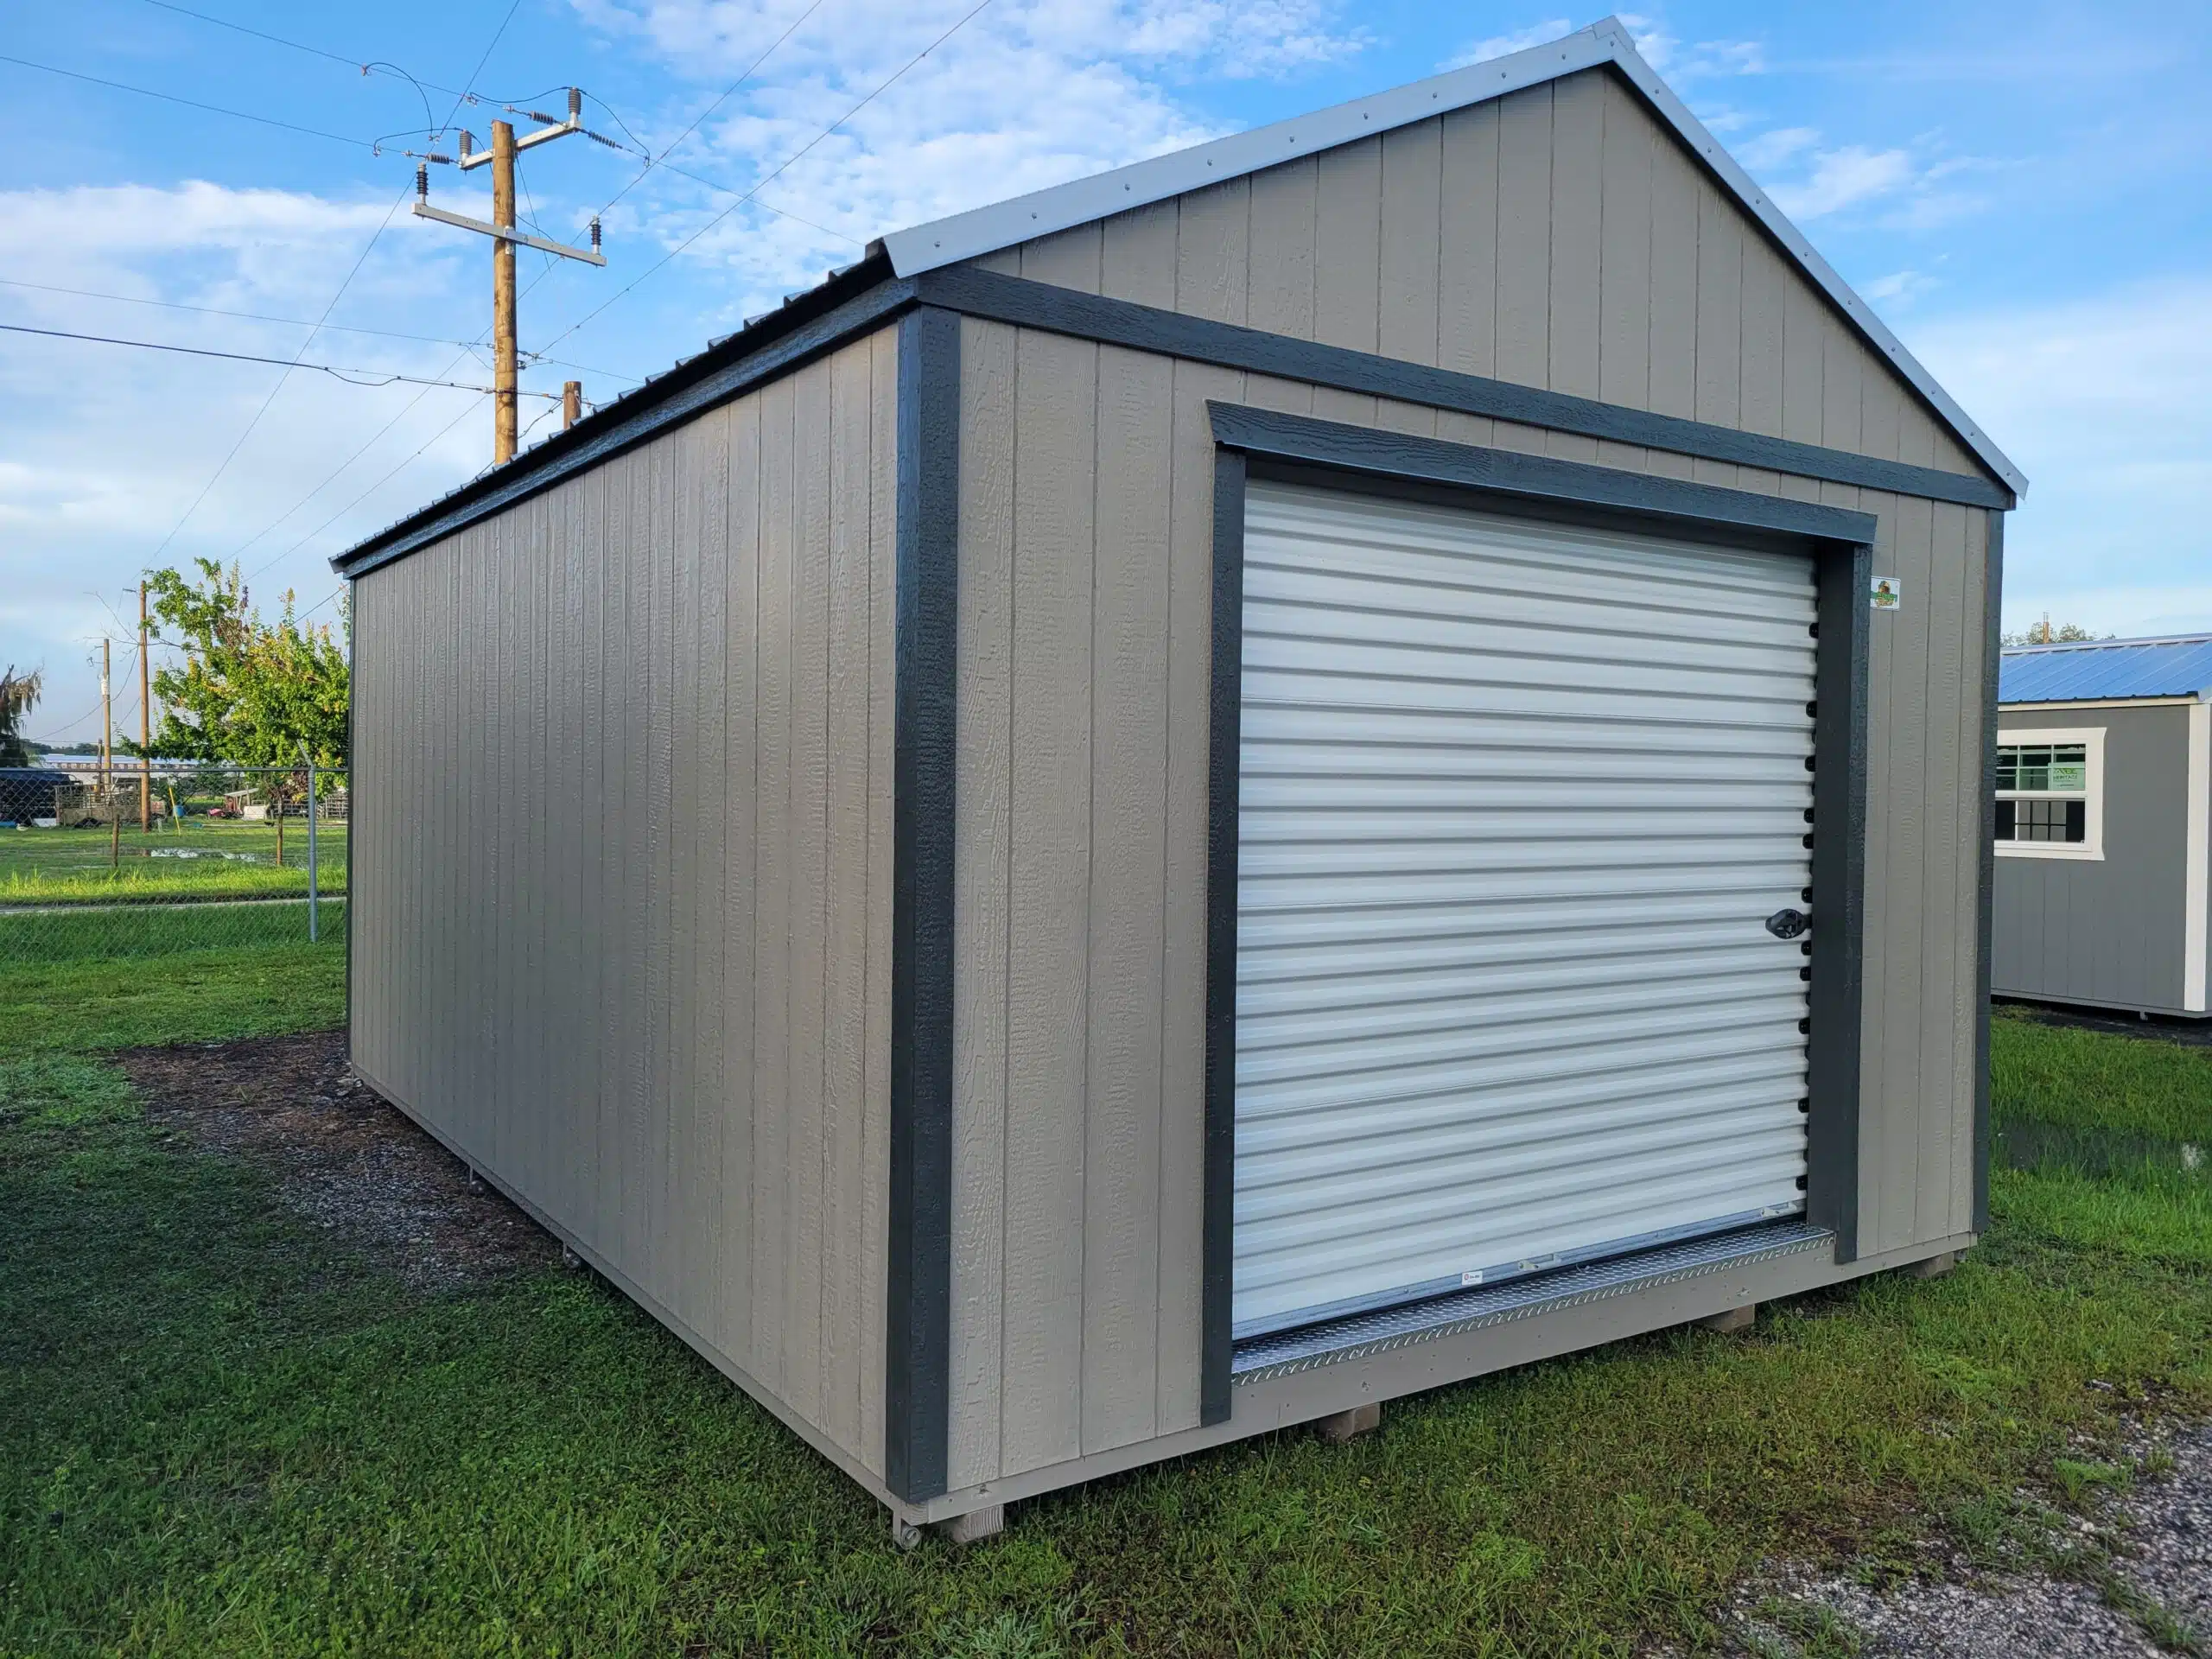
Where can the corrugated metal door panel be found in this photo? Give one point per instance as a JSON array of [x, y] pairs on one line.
[[1516, 800]]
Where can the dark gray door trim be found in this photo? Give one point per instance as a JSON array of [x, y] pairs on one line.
[[1121, 322], [1263, 441], [917, 1299]]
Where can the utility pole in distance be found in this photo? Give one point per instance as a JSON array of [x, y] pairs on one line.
[[504, 237], [145, 727], [572, 403]]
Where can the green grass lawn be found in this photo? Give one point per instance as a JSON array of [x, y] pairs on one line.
[[221, 1433], [200, 858]]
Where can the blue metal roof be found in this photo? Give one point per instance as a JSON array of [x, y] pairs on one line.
[[2106, 668]]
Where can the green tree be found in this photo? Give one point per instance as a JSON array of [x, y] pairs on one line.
[[19, 694], [250, 693], [2044, 633]]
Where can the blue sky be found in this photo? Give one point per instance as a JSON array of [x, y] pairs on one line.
[[2021, 191]]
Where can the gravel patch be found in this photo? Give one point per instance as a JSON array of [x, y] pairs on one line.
[[2152, 1544], [342, 1156]]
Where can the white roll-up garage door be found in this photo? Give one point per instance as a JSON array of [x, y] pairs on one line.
[[1517, 800]]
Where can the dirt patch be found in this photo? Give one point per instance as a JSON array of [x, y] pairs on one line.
[[343, 1157], [2139, 1585]]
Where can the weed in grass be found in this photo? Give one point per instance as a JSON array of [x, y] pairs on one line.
[[2078, 1479], [1810, 1630]]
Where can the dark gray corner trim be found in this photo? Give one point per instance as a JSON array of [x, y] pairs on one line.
[[919, 1291], [1842, 544], [1508, 472], [659, 405], [353, 792], [1833, 1103], [1143, 327], [1984, 797], [1218, 1240]]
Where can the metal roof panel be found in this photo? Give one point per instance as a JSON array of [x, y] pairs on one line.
[[2098, 670]]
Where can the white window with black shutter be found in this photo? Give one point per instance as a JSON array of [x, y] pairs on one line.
[[2049, 794]]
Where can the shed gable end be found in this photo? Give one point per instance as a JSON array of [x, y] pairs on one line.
[[1559, 237]]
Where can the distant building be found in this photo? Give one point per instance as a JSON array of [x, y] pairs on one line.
[[2104, 776]]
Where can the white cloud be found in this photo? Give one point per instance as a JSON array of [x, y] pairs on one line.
[[106, 447], [1770, 150], [2101, 401], [1899, 288], [1704, 60], [1843, 178], [1501, 45]]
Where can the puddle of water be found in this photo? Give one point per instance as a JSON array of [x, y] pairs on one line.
[[2029, 1143]]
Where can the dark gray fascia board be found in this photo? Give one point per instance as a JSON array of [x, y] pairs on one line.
[[778, 343], [1403, 455], [762, 353], [1605, 43], [1143, 327]]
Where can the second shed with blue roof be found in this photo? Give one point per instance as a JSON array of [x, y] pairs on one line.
[[2103, 824]]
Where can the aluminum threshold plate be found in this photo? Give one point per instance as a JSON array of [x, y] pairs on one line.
[[1286, 1352]]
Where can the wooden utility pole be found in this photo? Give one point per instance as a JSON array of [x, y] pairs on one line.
[[145, 727], [572, 403], [107, 722], [503, 292], [505, 237]]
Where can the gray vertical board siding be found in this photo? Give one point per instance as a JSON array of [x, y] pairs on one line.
[[774, 917], [1622, 259], [739, 1178], [1128, 766], [2108, 931], [882, 733], [844, 1201], [1547, 208], [1279, 249], [1048, 981], [560, 962], [809, 827], [1575, 332], [1466, 326], [1524, 236], [1409, 261], [1065, 435], [983, 778]]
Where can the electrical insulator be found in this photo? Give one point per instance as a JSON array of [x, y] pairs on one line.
[[422, 180], [595, 232]]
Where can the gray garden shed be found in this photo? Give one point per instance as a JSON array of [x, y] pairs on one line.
[[1184, 804], [2103, 824]]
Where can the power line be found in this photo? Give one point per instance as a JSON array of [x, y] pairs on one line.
[[363, 495], [728, 93], [291, 323], [783, 167], [247, 357], [469, 86], [194, 103], [367, 249]]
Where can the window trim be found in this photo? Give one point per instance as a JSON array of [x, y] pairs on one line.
[[2091, 847]]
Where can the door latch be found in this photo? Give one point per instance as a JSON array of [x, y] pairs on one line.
[[1789, 923]]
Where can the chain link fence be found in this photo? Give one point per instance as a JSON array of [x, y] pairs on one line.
[[118, 861]]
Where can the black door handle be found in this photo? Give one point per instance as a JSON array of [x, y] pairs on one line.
[[1789, 923]]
